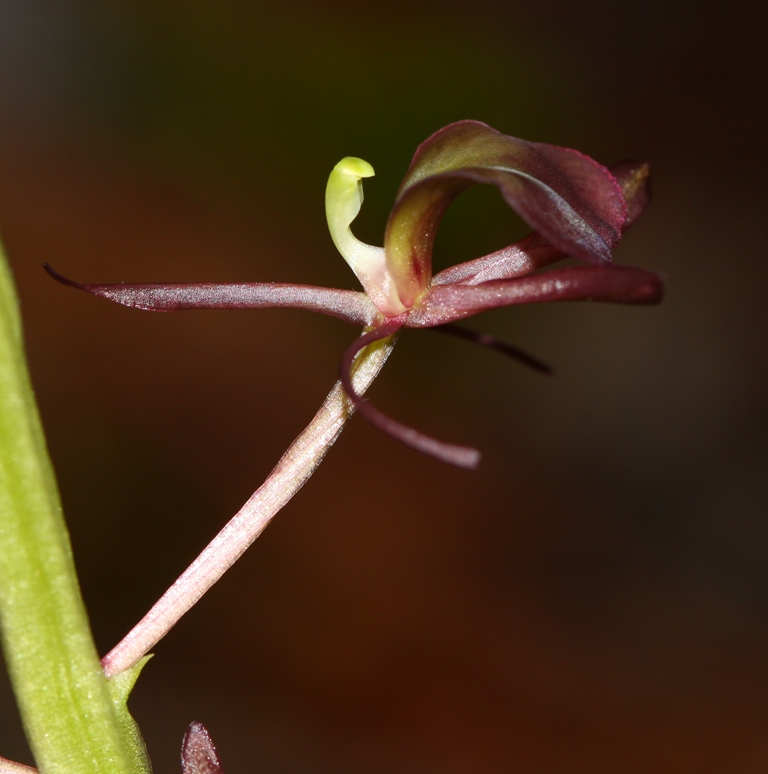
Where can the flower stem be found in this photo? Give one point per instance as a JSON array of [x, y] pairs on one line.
[[9, 767], [289, 475], [74, 723]]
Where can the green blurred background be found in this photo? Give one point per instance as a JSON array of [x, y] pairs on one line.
[[595, 597]]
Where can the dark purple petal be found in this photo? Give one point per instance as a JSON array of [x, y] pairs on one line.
[[485, 340], [568, 198], [617, 284], [348, 305], [198, 755], [461, 456]]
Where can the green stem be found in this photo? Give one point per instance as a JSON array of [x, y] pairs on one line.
[[75, 721]]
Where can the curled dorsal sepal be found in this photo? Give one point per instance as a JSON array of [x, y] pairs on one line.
[[574, 203]]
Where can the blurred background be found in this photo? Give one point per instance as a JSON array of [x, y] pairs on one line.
[[595, 597]]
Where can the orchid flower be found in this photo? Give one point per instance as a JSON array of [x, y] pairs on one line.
[[576, 207]]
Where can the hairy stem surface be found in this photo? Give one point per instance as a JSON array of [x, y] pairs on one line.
[[290, 474]]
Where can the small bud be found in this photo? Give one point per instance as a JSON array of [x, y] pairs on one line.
[[198, 755]]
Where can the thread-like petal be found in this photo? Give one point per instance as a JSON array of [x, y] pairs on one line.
[[461, 456], [486, 340]]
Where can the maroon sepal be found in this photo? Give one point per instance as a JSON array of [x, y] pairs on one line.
[[349, 305], [618, 284]]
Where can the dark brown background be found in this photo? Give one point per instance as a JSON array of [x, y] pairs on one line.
[[595, 598]]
